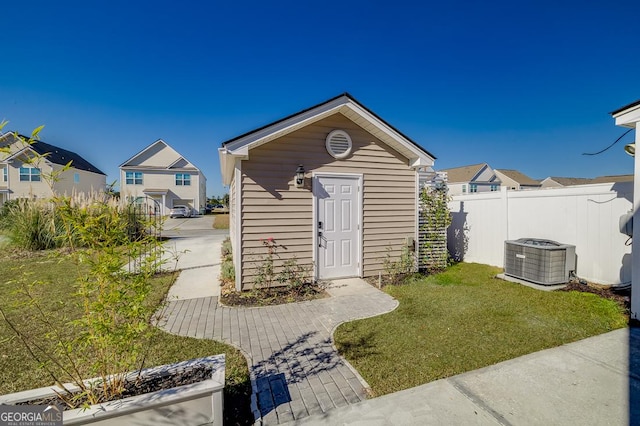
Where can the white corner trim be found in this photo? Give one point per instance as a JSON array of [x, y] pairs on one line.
[[314, 218], [417, 221], [237, 249]]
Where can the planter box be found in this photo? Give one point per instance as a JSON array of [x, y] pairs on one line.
[[196, 404]]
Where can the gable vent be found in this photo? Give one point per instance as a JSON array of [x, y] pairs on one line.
[[338, 144]]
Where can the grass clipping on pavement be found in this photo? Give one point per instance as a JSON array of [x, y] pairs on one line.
[[463, 319]]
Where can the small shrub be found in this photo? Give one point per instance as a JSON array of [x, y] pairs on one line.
[[227, 253], [397, 269], [295, 277], [227, 270], [265, 273]]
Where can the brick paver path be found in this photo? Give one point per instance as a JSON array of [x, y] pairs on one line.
[[294, 368]]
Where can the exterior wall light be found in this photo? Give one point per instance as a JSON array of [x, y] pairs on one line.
[[300, 176], [630, 149]]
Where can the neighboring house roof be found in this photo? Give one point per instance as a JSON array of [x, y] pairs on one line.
[[176, 162], [569, 181], [54, 154], [345, 104], [612, 179], [464, 173], [519, 177]]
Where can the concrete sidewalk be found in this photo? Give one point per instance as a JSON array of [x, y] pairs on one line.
[[193, 247], [595, 381]]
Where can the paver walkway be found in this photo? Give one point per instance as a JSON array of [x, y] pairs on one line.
[[295, 370]]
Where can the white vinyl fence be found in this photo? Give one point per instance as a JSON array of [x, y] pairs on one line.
[[586, 216]]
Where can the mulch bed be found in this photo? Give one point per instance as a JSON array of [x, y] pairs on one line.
[[272, 296], [140, 387], [620, 296]]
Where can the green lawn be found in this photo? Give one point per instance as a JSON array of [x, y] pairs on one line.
[[464, 319], [19, 372]]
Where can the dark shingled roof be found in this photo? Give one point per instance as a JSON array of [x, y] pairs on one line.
[[631, 105], [62, 156]]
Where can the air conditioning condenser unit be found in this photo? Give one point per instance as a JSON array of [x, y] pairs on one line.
[[539, 261]]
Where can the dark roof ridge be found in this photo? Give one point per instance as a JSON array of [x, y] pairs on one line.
[[60, 156], [345, 94]]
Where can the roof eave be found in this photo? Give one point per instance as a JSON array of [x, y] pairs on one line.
[[345, 104], [284, 126], [227, 165], [628, 115]]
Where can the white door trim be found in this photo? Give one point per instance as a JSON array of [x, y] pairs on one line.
[[359, 198]]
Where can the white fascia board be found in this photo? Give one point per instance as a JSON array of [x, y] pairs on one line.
[[423, 157], [479, 172], [227, 165], [22, 151], [242, 145], [419, 162], [629, 117], [179, 158]]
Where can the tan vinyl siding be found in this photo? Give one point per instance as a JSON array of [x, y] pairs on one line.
[[273, 207], [89, 182]]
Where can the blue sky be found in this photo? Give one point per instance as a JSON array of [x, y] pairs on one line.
[[526, 85]]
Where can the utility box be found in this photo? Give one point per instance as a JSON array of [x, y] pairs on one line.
[[540, 261]]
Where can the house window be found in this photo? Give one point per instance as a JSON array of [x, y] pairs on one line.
[[494, 188], [183, 179], [473, 187], [133, 178], [5, 174], [29, 174], [464, 188], [76, 178]]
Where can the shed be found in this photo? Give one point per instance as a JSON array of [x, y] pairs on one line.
[[355, 205]]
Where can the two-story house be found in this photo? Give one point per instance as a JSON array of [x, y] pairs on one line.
[[515, 180], [164, 175], [22, 177], [471, 179]]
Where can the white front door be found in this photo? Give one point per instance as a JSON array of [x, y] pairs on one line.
[[337, 227]]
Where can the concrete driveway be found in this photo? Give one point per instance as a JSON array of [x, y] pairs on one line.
[[193, 248]]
